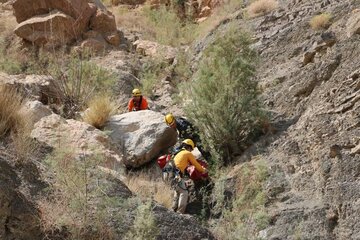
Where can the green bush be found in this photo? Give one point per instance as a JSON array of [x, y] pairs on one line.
[[223, 96]]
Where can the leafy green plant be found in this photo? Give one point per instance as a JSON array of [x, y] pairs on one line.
[[222, 99]]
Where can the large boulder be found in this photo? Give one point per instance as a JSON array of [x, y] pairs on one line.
[[140, 135], [80, 138], [58, 22], [55, 22], [103, 22], [26, 9], [48, 29]]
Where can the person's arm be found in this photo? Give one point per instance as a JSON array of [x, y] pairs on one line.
[[194, 162], [130, 105]]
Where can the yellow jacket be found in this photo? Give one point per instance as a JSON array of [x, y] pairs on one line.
[[183, 158]]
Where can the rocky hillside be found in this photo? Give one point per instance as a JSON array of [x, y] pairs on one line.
[[310, 85]]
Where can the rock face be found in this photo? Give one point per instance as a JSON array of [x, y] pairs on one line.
[[140, 135], [19, 216], [175, 226], [35, 110], [310, 81], [153, 49], [59, 22], [38, 87]]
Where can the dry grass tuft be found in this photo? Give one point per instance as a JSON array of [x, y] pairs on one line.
[[321, 21], [261, 7], [147, 187], [10, 104], [101, 108]]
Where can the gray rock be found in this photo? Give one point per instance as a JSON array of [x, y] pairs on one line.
[[140, 136]]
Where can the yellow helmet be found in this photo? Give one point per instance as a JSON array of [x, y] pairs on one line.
[[189, 142], [169, 119], [136, 92]]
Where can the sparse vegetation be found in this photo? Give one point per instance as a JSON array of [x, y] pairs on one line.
[[219, 13], [261, 7], [101, 108], [224, 97], [147, 185], [168, 28], [247, 214], [11, 103], [10, 62], [321, 21], [161, 25], [78, 80], [144, 224], [79, 198], [153, 71]]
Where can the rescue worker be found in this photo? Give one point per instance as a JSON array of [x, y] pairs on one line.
[[137, 102], [181, 182], [186, 130]]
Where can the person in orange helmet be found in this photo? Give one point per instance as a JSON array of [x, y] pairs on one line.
[[137, 102]]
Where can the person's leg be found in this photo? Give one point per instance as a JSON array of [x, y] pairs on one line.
[[183, 200], [175, 202]]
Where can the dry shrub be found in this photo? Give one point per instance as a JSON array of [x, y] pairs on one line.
[[10, 104], [147, 187], [101, 108], [24, 145], [321, 21], [51, 213], [261, 7]]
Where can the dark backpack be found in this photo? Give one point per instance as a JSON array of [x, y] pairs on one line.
[[170, 171]]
